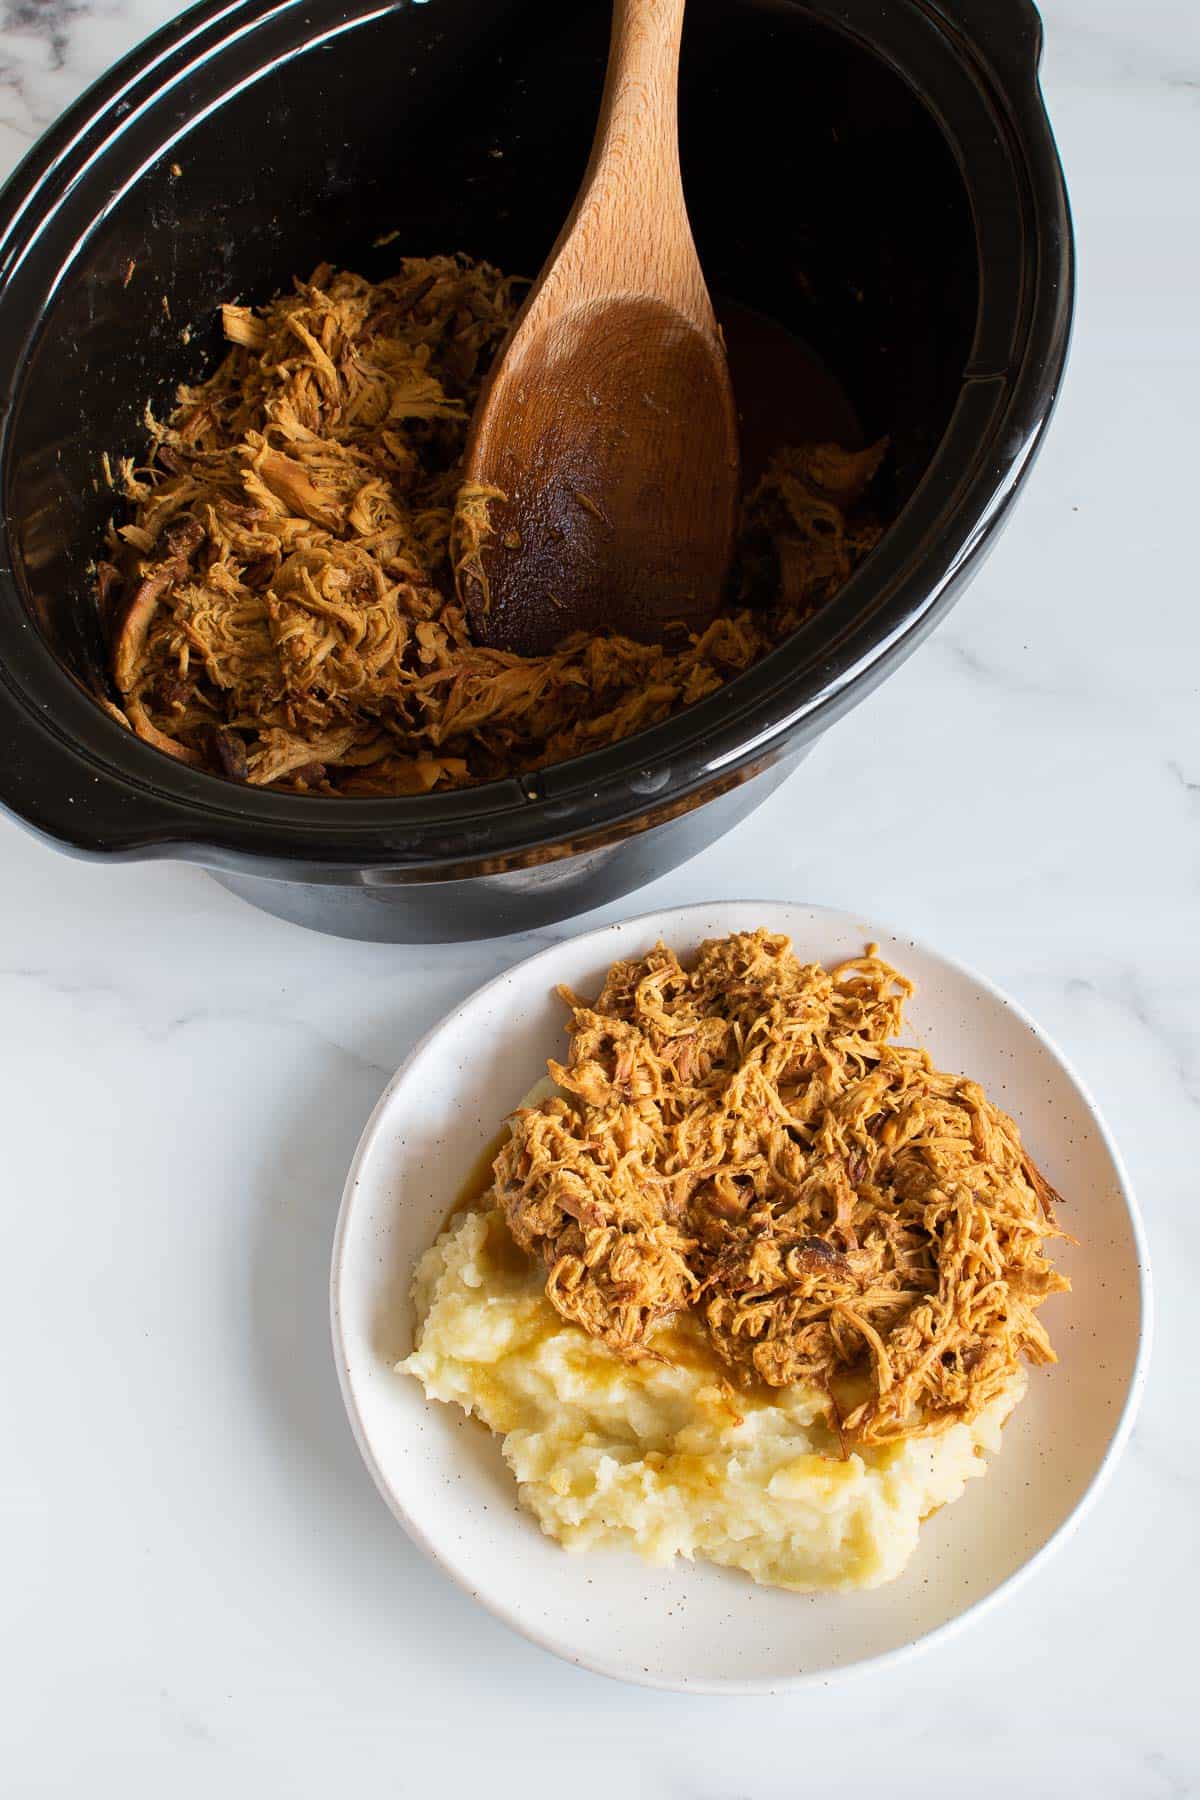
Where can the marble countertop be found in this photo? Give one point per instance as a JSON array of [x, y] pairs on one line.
[[202, 1592]]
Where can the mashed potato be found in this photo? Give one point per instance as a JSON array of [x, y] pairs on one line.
[[662, 1456]]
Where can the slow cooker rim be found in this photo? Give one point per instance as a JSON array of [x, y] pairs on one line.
[[169, 809]]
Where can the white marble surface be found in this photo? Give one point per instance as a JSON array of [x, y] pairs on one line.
[[201, 1592]]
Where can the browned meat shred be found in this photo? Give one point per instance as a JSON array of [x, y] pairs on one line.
[[281, 603], [743, 1139]]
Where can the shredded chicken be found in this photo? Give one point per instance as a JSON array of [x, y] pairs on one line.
[[743, 1140], [281, 604]]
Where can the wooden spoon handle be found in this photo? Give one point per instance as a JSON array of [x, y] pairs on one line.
[[628, 231], [639, 109]]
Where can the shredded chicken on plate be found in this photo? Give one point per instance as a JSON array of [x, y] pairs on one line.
[[743, 1139], [282, 606]]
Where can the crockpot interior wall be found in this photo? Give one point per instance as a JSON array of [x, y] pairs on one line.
[[821, 193], [824, 195]]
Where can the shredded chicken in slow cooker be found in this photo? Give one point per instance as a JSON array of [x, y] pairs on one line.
[[742, 1139], [282, 607]]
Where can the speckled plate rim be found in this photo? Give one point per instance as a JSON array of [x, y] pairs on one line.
[[735, 1686]]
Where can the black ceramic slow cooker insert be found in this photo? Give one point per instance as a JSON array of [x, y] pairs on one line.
[[880, 178]]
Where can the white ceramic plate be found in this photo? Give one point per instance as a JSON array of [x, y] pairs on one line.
[[691, 1626]]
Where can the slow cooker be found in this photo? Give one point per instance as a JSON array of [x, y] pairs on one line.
[[879, 178]]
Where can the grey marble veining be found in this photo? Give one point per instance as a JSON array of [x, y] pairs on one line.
[[201, 1592]]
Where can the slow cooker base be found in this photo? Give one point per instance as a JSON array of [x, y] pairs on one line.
[[376, 908]]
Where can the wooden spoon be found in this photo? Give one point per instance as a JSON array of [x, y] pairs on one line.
[[606, 430]]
